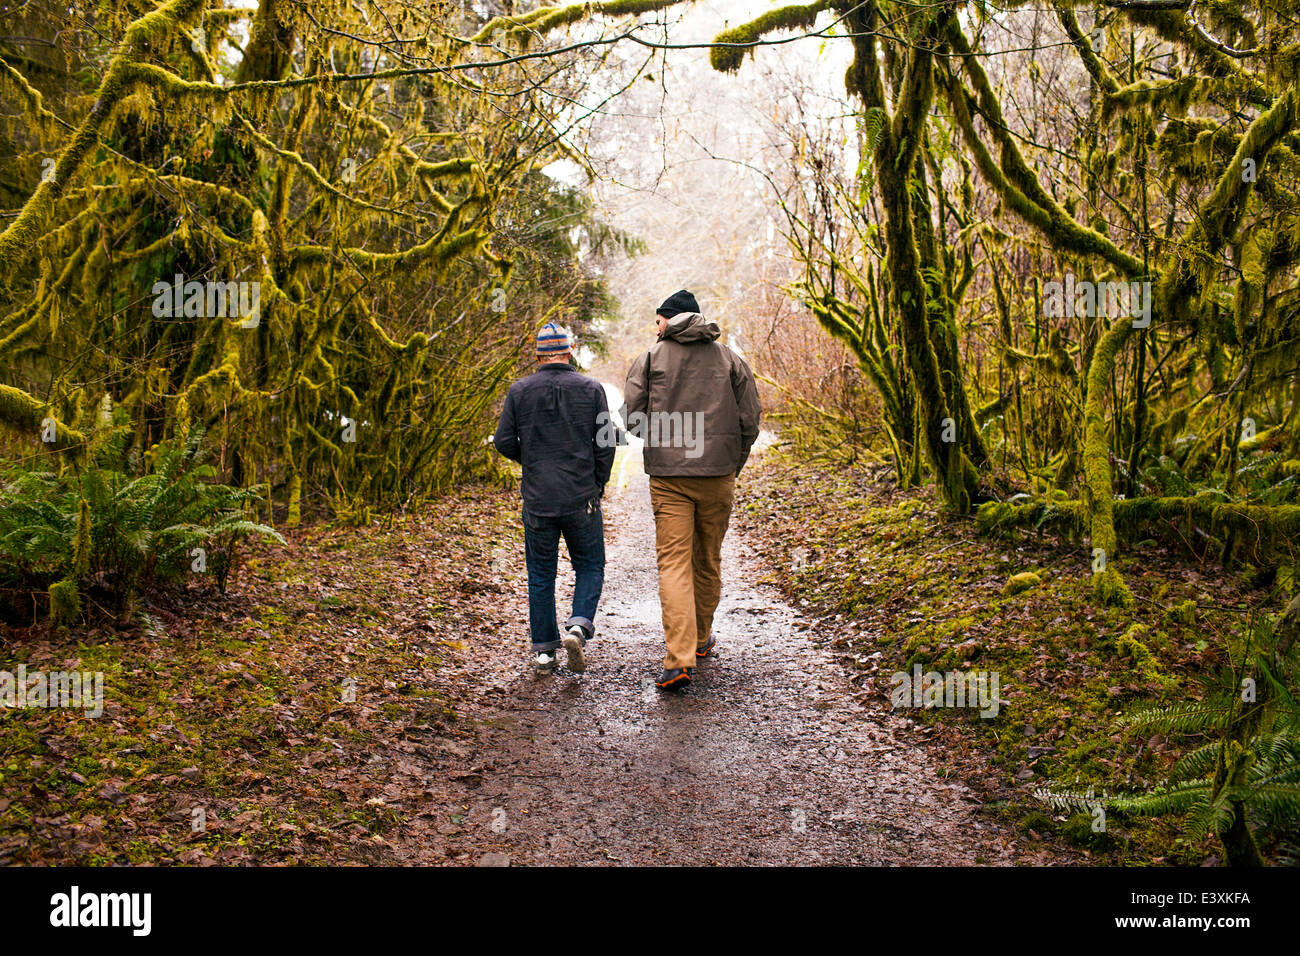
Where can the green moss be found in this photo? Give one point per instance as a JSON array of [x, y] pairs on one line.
[[65, 601], [1010, 175], [1133, 645], [1036, 820], [1110, 590], [545, 19], [1056, 514], [81, 543], [1098, 492], [295, 501], [727, 59], [1078, 829], [26, 414], [1182, 613], [1023, 581]]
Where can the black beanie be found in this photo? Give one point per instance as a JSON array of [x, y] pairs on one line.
[[680, 301]]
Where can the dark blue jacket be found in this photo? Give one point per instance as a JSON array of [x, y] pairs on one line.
[[550, 425]]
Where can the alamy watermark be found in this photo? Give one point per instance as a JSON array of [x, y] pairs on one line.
[[659, 429], [1082, 297], [209, 299], [75, 908], [977, 689], [74, 690], [1070, 802]]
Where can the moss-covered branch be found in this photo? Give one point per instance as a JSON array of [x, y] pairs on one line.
[[27, 415], [1266, 528], [545, 19], [742, 39], [1012, 178], [21, 234]]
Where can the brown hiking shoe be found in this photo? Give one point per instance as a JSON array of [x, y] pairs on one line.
[[674, 679]]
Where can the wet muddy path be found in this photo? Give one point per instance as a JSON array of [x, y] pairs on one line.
[[769, 757]]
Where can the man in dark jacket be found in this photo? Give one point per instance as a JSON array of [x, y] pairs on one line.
[[694, 402], [550, 425]]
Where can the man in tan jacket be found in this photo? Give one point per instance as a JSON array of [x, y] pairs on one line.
[[694, 402]]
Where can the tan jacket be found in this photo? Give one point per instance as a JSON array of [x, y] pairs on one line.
[[693, 401]]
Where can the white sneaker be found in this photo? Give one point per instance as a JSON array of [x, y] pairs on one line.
[[545, 662], [573, 644]]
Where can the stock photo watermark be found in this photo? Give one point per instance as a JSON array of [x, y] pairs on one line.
[[75, 908], [1085, 299], [658, 429], [974, 689], [70, 690], [1090, 804], [208, 299]]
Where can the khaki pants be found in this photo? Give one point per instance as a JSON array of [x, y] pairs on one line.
[[691, 516]]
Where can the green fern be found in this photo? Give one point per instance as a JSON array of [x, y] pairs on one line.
[[137, 529], [1249, 759]]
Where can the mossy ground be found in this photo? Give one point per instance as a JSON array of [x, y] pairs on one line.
[[236, 706], [896, 583]]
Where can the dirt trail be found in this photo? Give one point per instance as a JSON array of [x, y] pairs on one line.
[[767, 758]]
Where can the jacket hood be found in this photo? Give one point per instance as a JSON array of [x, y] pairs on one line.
[[691, 327]]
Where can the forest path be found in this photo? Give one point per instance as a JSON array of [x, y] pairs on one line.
[[768, 757]]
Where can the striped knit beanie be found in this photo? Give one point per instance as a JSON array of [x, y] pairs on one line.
[[552, 339]]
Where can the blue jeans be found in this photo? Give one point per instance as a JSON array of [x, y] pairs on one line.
[[584, 533]]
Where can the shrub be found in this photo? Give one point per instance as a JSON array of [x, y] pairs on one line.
[[99, 526]]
